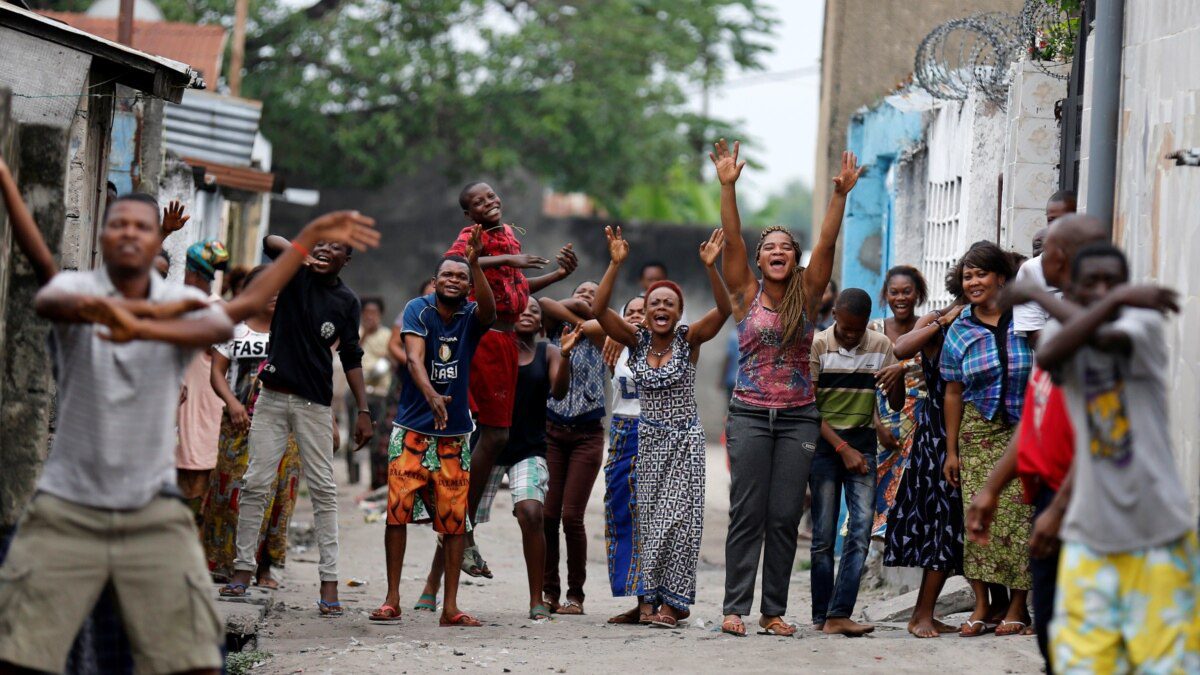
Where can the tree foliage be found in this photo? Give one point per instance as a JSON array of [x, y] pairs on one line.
[[589, 94]]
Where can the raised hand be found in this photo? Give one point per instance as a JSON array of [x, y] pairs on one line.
[[524, 261], [570, 338], [475, 245], [726, 162], [122, 325], [618, 248], [567, 261], [345, 227], [950, 315], [844, 182], [173, 219], [709, 250]]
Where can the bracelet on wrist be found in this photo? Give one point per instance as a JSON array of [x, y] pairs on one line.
[[843, 444], [300, 247]]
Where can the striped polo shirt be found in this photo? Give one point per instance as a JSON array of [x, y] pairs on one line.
[[845, 378]]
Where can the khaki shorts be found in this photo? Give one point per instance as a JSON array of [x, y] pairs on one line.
[[63, 555]]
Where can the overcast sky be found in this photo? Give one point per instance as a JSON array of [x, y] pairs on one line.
[[780, 115]]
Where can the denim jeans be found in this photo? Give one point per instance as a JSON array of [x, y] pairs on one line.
[[827, 479], [770, 451]]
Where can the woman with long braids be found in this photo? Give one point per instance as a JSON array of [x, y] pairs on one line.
[[985, 363], [925, 522], [773, 422], [670, 469]]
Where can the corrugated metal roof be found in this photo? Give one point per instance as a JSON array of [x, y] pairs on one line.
[[237, 177], [213, 127], [157, 75], [199, 46]]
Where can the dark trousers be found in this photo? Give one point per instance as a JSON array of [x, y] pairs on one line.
[[828, 478], [770, 452], [1045, 583], [573, 458]]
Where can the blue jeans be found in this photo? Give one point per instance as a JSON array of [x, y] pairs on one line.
[[826, 481]]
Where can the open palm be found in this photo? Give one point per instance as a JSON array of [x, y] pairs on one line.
[[618, 248], [726, 162]]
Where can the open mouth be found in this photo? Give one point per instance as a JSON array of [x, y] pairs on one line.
[[661, 320], [777, 264], [975, 293], [493, 212]]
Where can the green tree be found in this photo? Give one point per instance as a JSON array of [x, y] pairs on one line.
[[587, 94]]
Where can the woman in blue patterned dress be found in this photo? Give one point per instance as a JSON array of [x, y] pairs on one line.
[[670, 469]]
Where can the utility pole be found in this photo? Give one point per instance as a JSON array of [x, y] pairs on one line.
[[237, 56], [125, 23]]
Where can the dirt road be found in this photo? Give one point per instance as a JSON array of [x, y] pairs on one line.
[[300, 641]]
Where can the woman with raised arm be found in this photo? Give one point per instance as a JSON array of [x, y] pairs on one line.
[[670, 469], [773, 422], [925, 523]]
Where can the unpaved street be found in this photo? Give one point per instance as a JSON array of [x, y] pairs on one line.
[[300, 641]]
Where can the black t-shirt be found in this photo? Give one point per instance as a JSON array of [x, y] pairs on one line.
[[527, 436], [310, 317]]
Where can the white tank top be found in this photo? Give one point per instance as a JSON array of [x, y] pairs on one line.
[[625, 394]]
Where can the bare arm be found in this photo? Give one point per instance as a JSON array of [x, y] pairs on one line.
[[895, 394], [982, 509], [953, 407], [567, 262], [1083, 328], [217, 378], [616, 327], [555, 313], [485, 301], [710, 324], [820, 263], [736, 264], [927, 332], [414, 346], [396, 348], [25, 231], [57, 305]]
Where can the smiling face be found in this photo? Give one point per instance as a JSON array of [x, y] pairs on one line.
[[777, 256], [130, 239], [330, 257], [663, 310], [530, 321], [635, 311], [981, 286], [902, 296], [453, 282], [586, 291], [483, 206]]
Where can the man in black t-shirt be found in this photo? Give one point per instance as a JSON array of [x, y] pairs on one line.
[[314, 311]]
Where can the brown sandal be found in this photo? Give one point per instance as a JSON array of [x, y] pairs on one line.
[[632, 616], [777, 627], [570, 608], [734, 627]]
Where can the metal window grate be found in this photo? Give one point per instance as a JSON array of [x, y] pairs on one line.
[[943, 235]]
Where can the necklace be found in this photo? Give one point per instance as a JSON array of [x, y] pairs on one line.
[[661, 352]]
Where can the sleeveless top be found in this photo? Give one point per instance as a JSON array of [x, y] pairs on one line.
[[668, 392], [625, 402], [771, 375], [584, 401], [527, 436]]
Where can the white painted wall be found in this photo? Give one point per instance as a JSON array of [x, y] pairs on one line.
[[1157, 212], [1031, 154]]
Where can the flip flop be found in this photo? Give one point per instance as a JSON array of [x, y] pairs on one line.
[[231, 590], [462, 619], [661, 620], [385, 614], [777, 627], [329, 610], [734, 627], [1003, 629], [570, 607], [975, 629], [631, 616], [539, 613], [426, 603]]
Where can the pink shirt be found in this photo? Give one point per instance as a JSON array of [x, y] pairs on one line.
[[771, 375], [199, 418]]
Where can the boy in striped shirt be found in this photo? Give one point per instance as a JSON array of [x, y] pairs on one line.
[[847, 362]]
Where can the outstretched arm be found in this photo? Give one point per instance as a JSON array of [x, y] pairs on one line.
[[350, 228], [710, 324], [567, 262], [1083, 327], [616, 327], [25, 230], [739, 275], [820, 263], [123, 325]]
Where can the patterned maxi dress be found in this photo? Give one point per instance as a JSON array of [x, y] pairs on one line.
[[670, 473], [892, 464], [925, 524]]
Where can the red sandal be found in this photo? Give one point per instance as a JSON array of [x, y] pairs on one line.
[[462, 620]]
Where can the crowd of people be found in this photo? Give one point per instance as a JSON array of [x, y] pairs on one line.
[[187, 418]]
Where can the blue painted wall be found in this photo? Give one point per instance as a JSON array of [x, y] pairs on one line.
[[877, 136], [123, 151]]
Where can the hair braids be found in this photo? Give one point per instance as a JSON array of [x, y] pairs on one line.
[[793, 308]]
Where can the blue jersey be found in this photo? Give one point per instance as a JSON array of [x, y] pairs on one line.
[[449, 347]]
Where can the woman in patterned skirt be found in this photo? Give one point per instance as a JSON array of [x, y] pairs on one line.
[[985, 363], [904, 290], [924, 526], [235, 369], [670, 468]]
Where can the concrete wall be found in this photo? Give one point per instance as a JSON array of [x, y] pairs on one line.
[[1155, 217], [868, 48], [1031, 154], [878, 136]]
